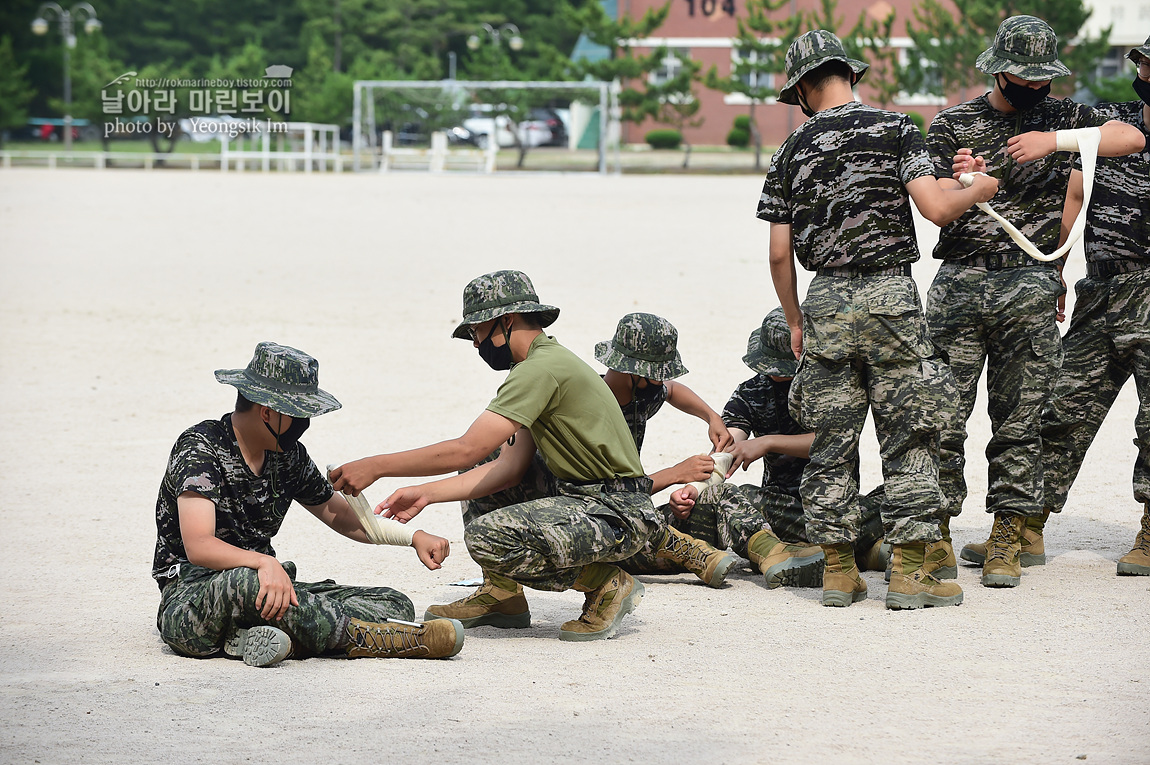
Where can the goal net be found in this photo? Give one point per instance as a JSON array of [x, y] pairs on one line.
[[483, 125]]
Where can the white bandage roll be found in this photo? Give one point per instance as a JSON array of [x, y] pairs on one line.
[[381, 531], [1085, 141], [723, 462]]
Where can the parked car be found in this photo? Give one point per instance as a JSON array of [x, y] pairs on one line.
[[554, 121], [482, 124]]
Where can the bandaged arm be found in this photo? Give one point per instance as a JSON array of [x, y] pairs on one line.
[[722, 465]]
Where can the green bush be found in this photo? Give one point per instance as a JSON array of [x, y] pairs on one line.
[[917, 119], [743, 122], [738, 138], [664, 139]]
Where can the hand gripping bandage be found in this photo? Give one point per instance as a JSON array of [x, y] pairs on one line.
[[1085, 141], [723, 462], [381, 531]]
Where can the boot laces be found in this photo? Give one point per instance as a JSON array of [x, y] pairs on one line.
[[687, 550], [1143, 540], [998, 546], [388, 641]]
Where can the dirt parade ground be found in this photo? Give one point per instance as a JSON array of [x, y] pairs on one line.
[[121, 292]]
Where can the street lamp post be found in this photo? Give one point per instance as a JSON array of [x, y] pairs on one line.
[[64, 19], [514, 42]]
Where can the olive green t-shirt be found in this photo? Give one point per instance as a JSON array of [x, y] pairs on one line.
[[571, 413]]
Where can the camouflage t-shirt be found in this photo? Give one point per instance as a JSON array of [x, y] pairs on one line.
[[1118, 222], [840, 181], [1030, 196], [760, 407], [207, 460], [642, 407]]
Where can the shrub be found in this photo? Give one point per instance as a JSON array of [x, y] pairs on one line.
[[664, 139], [738, 138], [917, 119], [743, 122]]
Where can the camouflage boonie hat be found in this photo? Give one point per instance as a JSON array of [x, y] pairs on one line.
[[496, 294], [283, 378], [1026, 47], [644, 344], [769, 347], [1143, 50], [809, 52]]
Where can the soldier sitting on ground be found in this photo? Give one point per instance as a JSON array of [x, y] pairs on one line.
[[642, 360], [226, 490]]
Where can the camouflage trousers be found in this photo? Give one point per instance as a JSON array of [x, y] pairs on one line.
[[1108, 341], [543, 543], [865, 347], [1004, 320], [203, 608]]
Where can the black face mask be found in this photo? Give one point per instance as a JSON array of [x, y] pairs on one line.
[[499, 358], [1142, 88], [1021, 97], [807, 110], [291, 436]]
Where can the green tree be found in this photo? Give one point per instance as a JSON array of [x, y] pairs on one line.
[[673, 102], [15, 93], [947, 44], [623, 64], [762, 40], [885, 77]]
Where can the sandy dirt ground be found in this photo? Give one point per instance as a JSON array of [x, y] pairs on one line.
[[121, 292]]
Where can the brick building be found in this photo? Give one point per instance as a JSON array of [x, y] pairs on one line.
[[704, 31]]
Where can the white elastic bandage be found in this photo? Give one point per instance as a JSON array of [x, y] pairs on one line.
[[723, 462], [381, 531], [1085, 141]]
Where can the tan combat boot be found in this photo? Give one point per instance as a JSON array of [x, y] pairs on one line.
[[396, 639], [1033, 551], [842, 584], [698, 557], [1003, 550], [1137, 561], [500, 602], [913, 585], [604, 607], [877, 558], [782, 563], [939, 560]]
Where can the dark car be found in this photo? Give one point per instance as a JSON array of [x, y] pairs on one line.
[[554, 122]]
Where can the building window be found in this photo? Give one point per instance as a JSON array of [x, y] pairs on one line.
[[1112, 64], [670, 65], [751, 77], [928, 87]]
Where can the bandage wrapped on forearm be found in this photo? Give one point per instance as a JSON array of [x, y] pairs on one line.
[[1072, 140], [381, 531], [723, 462]]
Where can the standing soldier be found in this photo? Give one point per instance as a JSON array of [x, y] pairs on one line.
[[993, 304], [836, 196], [1109, 335], [766, 523]]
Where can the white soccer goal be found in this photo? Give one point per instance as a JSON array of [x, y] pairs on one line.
[[393, 120]]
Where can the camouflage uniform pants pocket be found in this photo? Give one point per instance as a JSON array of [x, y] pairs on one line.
[[544, 543]]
